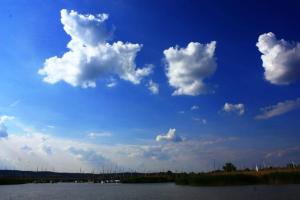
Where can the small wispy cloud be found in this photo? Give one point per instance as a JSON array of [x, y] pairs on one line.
[[194, 107], [14, 104], [5, 118], [279, 109], [153, 87], [234, 108], [99, 134], [203, 121], [111, 83], [283, 152]]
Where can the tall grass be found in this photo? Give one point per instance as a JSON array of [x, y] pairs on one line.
[[239, 178]]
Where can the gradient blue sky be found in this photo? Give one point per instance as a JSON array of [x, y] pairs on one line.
[[128, 116]]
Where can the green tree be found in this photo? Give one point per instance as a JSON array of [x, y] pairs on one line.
[[229, 167]]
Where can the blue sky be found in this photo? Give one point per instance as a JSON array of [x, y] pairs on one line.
[[243, 106]]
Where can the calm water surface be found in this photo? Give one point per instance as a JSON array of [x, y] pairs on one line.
[[66, 191]]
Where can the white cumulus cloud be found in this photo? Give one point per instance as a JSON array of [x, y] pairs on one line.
[[186, 68], [279, 109], [235, 108], [90, 56], [153, 87], [169, 136], [281, 59]]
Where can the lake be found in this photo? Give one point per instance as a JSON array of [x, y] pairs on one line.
[[168, 191]]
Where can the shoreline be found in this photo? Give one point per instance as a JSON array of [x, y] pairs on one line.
[[217, 178]]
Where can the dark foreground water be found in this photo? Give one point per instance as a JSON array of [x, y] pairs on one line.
[[66, 191]]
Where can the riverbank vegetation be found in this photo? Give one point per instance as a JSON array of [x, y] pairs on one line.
[[229, 175], [240, 178]]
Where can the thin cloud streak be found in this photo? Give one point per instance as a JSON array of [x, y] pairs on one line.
[[278, 109]]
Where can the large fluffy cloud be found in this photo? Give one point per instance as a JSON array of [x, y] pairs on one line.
[[234, 108], [186, 68], [169, 136], [279, 109], [281, 59], [90, 56]]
